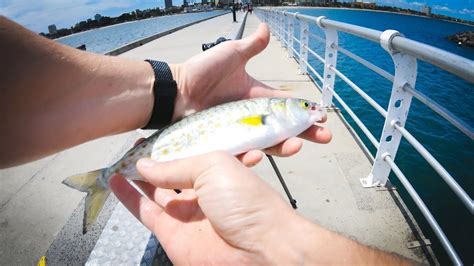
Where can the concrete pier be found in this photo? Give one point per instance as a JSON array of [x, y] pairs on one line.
[[324, 179]]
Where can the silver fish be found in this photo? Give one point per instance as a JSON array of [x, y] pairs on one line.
[[236, 127]]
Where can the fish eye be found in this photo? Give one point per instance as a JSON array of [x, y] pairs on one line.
[[304, 104]]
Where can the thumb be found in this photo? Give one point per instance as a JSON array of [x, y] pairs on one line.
[[255, 43]]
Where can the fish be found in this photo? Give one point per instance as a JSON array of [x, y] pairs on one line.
[[235, 127]]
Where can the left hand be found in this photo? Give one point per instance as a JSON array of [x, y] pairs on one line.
[[218, 75]]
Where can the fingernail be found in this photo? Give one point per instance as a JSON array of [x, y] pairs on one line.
[[145, 163]]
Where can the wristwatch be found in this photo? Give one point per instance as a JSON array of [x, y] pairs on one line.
[[164, 91]]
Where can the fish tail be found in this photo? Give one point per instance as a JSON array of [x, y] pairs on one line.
[[96, 195]]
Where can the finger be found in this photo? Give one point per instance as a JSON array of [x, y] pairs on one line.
[[159, 195], [250, 158], [317, 134], [260, 89], [143, 209], [180, 173], [286, 148], [255, 43]]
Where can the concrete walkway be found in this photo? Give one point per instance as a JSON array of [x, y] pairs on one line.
[[324, 179]]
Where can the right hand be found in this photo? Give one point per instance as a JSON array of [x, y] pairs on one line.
[[226, 214]]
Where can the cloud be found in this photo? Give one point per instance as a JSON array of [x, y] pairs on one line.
[[466, 11], [36, 15], [416, 4], [443, 8], [401, 3]]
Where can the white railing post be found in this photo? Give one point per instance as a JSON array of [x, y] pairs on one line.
[[330, 59], [282, 29], [304, 34], [397, 112], [277, 25], [270, 21], [290, 36]]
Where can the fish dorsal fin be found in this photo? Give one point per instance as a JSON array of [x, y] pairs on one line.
[[254, 120]]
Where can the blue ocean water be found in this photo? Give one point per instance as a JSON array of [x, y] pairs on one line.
[[450, 147], [105, 39]]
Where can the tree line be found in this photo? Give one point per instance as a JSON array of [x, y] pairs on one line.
[[107, 21]]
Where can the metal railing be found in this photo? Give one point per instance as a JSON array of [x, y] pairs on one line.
[[404, 53]]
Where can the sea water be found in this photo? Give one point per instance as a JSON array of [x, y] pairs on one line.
[[105, 39]]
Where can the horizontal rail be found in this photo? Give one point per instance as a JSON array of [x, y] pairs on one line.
[[453, 63], [356, 120], [316, 55], [457, 189], [321, 39], [298, 55], [314, 71], [453, 119], [366, 63], [296, 40], [366, 33], [450, 62], [360, 92], [424, 210]]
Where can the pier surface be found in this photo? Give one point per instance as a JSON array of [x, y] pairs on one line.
[[324, 179]]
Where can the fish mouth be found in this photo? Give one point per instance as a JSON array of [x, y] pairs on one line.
[[314, 106], [318, 111]]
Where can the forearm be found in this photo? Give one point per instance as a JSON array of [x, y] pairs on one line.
[[54, 97], [311, 244]]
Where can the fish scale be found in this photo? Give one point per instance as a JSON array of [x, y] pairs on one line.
[[235, 127]]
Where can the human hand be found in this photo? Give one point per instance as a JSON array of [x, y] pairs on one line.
[[225, 213], [218, 75]]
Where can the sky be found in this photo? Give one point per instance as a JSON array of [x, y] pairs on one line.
[[36, 15]]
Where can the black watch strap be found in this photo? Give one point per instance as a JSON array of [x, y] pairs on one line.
[[164, 91]]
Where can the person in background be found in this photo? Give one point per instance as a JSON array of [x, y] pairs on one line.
[[225, 213]]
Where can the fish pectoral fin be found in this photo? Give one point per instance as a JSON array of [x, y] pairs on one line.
[[96, 195], [254, 120]]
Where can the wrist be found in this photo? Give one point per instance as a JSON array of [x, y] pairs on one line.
[[298, 241], [123, 83], [288, 243], [165, 92], [179, 106]]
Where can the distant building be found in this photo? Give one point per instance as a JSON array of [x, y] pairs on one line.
[[427, 10], [168, 4], [361, 4], [204, 2], [185, 3], [97, 17], [52, 29]]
